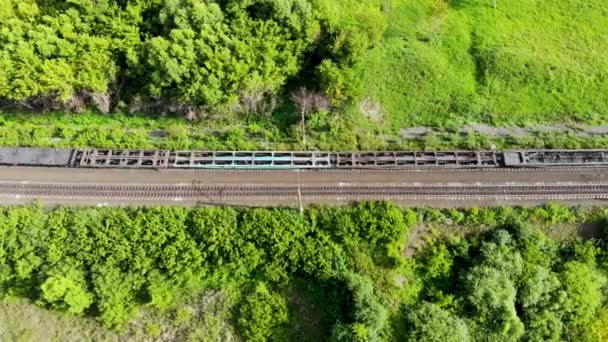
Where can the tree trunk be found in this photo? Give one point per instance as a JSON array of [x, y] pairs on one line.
[[303, 124]]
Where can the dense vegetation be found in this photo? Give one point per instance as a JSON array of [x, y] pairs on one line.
[[346, 65], [340, 274], [128, 131], [187, 52]]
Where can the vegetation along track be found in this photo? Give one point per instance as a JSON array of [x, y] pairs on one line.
[[195, 192]]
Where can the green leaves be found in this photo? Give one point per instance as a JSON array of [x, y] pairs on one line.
[[583, 286], [112, 261], [210, 56], [53, 55], [263, 315], [208, 53], [510, 284], [492, 295], [67, 291], [431, 323]]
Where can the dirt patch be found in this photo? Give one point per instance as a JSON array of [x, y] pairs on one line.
[[24, 321], [597, 130], [497, 131], [415, 132], [416, 240], [551, 128], [510, 131], [159, 133]]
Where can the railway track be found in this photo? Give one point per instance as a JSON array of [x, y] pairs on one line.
[[211, 193]]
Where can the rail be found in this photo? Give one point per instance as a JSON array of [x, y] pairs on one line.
[[215, 193]]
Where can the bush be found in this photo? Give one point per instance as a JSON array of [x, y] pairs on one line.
[[263, 315], [434, 324]]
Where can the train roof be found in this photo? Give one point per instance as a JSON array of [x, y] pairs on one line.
[[32, 156]]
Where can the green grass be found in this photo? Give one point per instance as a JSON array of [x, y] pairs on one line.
[[525, 62], [329, 132], [136, 131], [21, 321]]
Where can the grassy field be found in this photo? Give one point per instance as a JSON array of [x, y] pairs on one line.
[[448, 63]]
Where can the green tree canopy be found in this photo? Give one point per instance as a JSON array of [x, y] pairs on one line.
[[431, 323]]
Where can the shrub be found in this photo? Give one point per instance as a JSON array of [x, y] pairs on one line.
[[431, 323], [263, 315]]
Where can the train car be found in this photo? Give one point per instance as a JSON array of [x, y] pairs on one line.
[[133, 159], [555, 158], [32, 156], [250, 160], [417, 160]]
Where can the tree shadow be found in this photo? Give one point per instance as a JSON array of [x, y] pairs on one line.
[[460, 4], [591, 230]]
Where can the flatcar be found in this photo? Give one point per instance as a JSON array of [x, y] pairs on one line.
[[552, 158]]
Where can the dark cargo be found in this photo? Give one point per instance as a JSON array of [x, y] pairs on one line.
[[28, 156]]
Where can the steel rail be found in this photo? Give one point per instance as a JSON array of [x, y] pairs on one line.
[[213, 192]]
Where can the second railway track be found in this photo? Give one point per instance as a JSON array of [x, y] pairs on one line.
[[222, 193]]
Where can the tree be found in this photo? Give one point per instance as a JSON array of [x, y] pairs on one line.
[[541, 297], [366, 318], [209, 54], [263, 315], [492, 295], [431, 323], [306, 101], [217, 234], [67, 292], [51, 57], [583, 286]]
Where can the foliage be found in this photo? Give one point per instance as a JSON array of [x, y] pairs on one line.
[[431, 323], [210, 53], [583, 285], [110, 262], [329, 273], [383, 65], [367, 319], [514, 283], [262, 315], [67, 292], [214, 54]]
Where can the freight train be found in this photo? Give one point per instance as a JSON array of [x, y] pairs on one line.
[[165, 159]]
